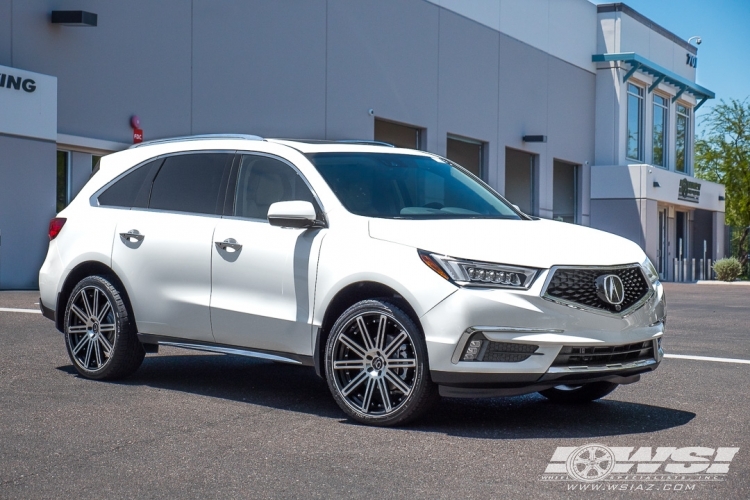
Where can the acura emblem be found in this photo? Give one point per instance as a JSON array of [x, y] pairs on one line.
[[609, 288]]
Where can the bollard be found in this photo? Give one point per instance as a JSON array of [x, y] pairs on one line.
[[708, 269], [684, 269], [692, 272], [703, 269], [676, 270]]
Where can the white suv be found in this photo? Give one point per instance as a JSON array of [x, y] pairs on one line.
[[396, 273]]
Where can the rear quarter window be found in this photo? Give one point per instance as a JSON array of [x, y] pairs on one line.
[[133, 189]]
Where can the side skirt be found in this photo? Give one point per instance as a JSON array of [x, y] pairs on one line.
[[283, 357]]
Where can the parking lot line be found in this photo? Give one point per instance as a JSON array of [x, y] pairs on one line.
[[32, 311], [707, 358]]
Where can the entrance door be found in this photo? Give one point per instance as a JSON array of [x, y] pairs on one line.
[[519, 180], [564, 192], [662, 261], [467, 153], [401, 136], [681, 235]]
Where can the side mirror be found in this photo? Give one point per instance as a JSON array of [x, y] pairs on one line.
[[298, 214]]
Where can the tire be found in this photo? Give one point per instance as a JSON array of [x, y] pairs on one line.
[[579, 393], [100, 336], [376, 365]]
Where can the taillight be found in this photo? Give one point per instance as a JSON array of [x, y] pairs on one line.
[[55, 226]]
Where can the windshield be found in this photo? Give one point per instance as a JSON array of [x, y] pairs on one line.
[[403, 186]]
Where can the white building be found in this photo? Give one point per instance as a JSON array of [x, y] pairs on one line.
[[530, 95]]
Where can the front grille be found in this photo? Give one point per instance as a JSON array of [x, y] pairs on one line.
[[579, 287], [604, 355]]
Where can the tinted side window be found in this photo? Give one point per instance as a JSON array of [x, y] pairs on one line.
[[263, 181], [190, 183], [133, 189]]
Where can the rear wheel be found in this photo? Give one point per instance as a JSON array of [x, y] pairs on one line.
[[578, 393], [376, 365], [100, 336]]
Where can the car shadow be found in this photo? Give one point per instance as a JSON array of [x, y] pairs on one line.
[[296, 388]]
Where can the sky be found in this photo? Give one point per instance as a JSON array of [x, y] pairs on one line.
[[724, 54]]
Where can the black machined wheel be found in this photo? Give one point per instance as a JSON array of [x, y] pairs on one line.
[[376, 365], [99, 336]]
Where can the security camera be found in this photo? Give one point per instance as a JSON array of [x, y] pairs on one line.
[[371, 112], [698, 41]]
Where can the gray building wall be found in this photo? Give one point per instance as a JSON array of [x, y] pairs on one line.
[[27, 203], [308, 69]]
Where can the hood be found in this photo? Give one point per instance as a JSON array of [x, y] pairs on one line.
[[533, 243]]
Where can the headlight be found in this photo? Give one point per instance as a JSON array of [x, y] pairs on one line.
[[483, 274], [650, 270]]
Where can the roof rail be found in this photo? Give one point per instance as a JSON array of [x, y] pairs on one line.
[[365, 142], [198, 138]]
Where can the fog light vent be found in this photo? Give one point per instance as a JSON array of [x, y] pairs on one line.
[[478, 348]]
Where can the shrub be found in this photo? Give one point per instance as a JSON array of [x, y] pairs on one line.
[[727, 269]]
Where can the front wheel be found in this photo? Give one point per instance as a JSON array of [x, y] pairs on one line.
[[376, 365], [100, 336], [578, 393]]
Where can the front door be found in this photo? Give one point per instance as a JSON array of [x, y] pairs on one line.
[[263, 280]]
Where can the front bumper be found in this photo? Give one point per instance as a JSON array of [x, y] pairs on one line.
[[524, 317]]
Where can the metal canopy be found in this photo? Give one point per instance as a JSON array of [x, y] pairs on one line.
[[639, 63]]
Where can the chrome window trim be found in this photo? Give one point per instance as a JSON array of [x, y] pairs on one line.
[[94, 198], [621, 314]]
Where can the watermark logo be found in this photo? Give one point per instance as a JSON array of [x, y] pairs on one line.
[[592, 462], [649, 466]]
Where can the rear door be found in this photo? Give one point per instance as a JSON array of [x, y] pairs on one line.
[[264, 279], [162, 253]]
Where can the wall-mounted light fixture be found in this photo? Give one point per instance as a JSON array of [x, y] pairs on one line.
[[535, 138], [73, 18], [656, 184]]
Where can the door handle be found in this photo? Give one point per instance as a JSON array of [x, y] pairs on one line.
[[229, 243], [132, 236]]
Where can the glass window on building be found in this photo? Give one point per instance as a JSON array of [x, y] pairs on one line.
[[682, 139], [635, 123], [401, 136], [63, 179], [564, 192], [467, 153], [661, 112]]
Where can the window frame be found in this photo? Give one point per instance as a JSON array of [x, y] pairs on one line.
[[230, 198], [641, 110], [665, 129], [688, 115]]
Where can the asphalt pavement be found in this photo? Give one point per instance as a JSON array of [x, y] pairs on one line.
[[199, 425]]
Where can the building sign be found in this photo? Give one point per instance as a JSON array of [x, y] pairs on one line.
[[689, 191], [691, 60], [17, 83], [28, 104]]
